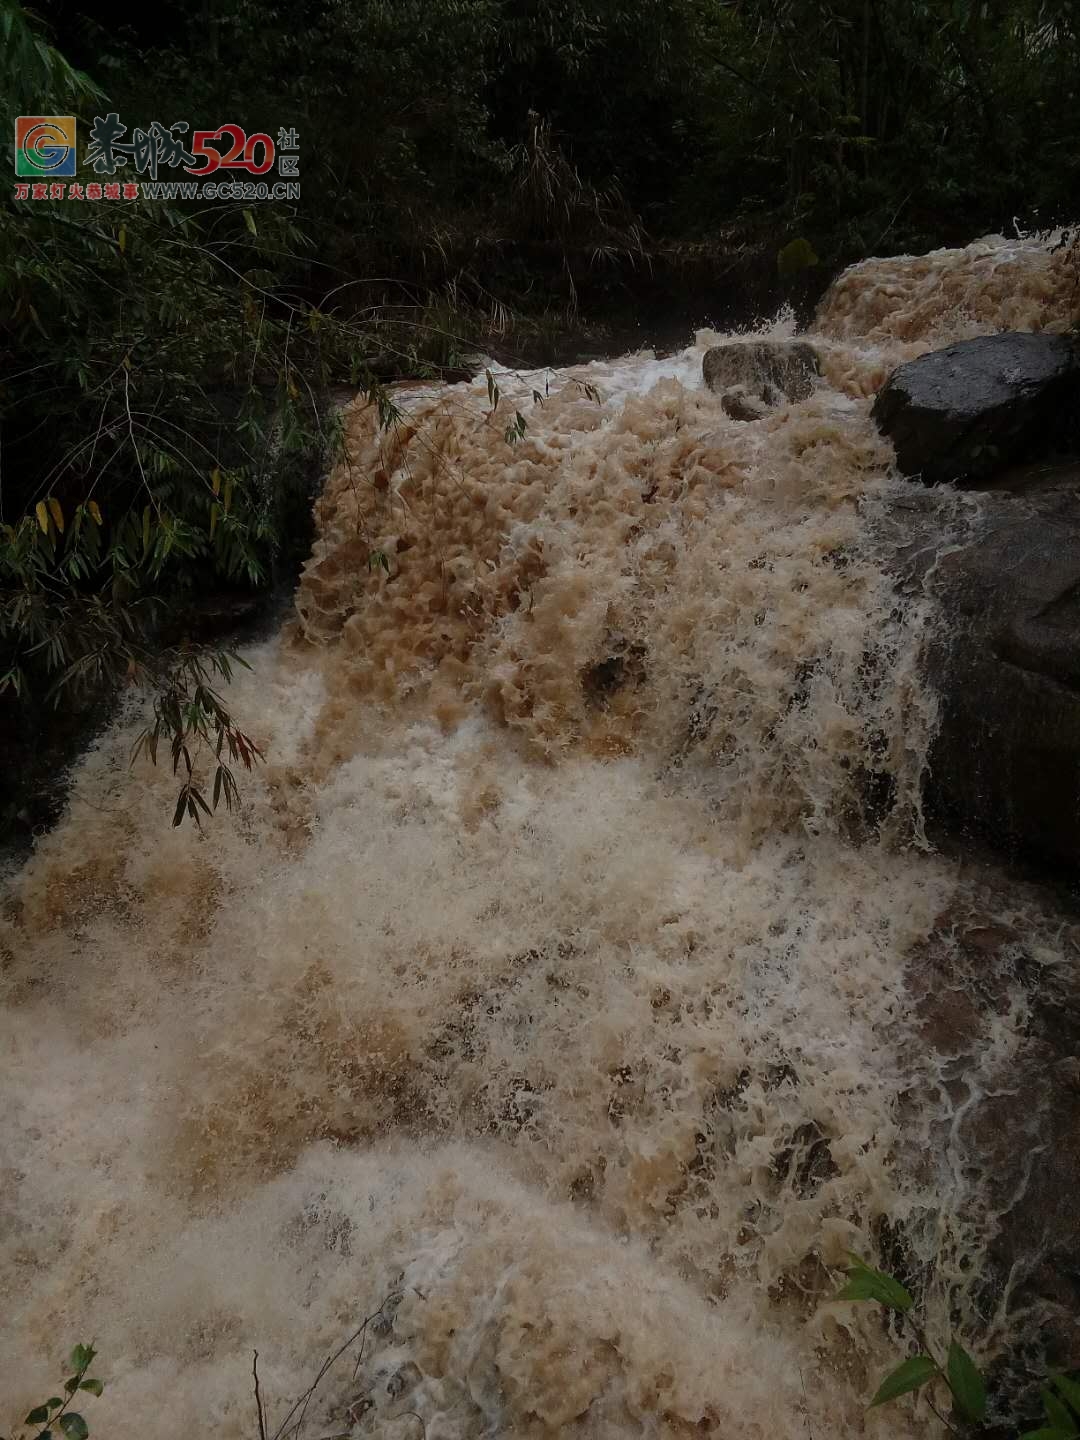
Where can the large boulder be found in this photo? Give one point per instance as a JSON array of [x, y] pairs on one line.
[[1007, 756], [1017, 1122], [1003, 657], [753, 375], [965, 412]]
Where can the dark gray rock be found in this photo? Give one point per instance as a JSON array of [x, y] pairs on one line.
[[1020, 1127], [740, 405], [770, 370], [965, 412], [1004, 657]]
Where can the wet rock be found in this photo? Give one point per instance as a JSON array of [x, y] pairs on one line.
[[624, 665], [1016, 1129], [965, 412], [1002, 655], [740, 405], [214, 615], [767, 371], [1006, 665]]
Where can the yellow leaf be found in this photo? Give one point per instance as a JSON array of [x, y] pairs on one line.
[[215, 480], [95, 513], [249, 221], [228, 495], [57, 514], [42, 516]]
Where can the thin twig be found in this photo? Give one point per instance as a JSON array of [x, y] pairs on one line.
[[134, 442], [258, 1397], [304, 1400], [806, 1405]]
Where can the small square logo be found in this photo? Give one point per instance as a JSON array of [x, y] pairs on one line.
[[45, 146]]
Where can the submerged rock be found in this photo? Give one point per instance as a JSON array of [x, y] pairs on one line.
[[740, 405], [746, 372], [965, 412], [1017, 1117]]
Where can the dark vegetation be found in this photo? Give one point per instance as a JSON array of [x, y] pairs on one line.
[[514, 175]]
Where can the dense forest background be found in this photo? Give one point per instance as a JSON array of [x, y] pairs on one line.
[[523, 177]]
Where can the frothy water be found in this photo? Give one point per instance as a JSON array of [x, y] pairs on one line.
[[549, 990]]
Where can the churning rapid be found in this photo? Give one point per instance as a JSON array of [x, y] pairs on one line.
[[548, 995]]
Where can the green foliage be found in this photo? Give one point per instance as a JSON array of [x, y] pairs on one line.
[[165, 411], [190, 716], [909, 1375], [167, 368], [966, 1383], [1061, 1404], [56, 1413], [875, 123], [32, 68], [866, 1283], [796, 255], [959, 1374]]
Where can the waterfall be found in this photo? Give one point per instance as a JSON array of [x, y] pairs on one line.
[[551, 993]]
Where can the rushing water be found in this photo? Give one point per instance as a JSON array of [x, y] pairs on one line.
[[552, 979]]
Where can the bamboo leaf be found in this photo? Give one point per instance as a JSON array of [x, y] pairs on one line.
[[42, 516], [966, 1384], [911, 1375], [1069, 1390], [866, 1283], [1057, 1412], [57, 514]]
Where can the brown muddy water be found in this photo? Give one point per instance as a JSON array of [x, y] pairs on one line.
[[552, 984]]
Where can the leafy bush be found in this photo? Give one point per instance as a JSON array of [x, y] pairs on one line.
[[56, 1412], [958, 1375]]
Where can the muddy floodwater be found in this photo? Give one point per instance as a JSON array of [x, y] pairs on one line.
[[551, 991]]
